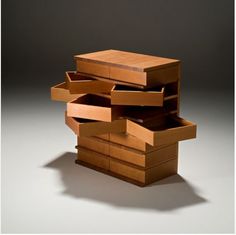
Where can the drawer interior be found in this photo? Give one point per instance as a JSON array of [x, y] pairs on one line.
[[171, 89], [143, 114], [168, 122], [121, 88], [94, 100], [73, 76], [83, 120]]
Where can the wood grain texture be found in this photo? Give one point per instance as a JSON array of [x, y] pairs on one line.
[[126, 171], [83, 127], [144, 70], [176, 129], [129, 155], [94, 107], [124, 96], [94, 158], [60, 92], [131, 142], [78, 84], [127, 60]]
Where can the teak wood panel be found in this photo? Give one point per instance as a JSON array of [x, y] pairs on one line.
[[108, 80], [95, 144], [129, 67], [176, 129], [144, 176], [121, 95], [94, 107], [82, 127], [127, 60], [94, 158], [129, 155], [131, 142], [145, 160], [104, 136], [61, 93], [130, 173], [79, 84]]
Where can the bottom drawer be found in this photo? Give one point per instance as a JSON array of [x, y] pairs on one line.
[[145, 176], [93, 158]]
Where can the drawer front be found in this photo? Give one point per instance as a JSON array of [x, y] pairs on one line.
[[61, 93], [129, 141], [92, 128], [94, 144], [181, 130], [128, 155], [147, 98], [129, 76], [78, 84], [127, 171], [92, 68], [95, 107], [89, 112], [93, 158]]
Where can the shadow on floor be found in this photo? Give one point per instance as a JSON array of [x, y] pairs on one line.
[[80, 182]]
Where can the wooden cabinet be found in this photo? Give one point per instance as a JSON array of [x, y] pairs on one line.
[[124, 109]]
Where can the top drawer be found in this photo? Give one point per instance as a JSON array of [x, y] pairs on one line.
[[129, 67]]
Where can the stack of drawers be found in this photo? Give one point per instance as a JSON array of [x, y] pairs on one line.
[[124, 109]]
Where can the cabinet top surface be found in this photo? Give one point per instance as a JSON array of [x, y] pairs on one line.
[[128, 60]]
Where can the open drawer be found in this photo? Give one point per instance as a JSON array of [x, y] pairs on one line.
[[173, 129], [60, 92], [124, 95], [79, 84], [85, 127], [94, 107]]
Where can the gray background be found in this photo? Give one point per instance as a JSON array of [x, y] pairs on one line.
[[43, 191], [39, 38]]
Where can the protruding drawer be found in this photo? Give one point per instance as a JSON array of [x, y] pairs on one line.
[[124, 95], [61, 93], [173, 130], [79, 84], [94, 107], [85, 127]]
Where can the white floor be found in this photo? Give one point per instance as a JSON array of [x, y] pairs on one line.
[[43, 191]]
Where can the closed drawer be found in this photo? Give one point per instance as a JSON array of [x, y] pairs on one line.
[[145, 176], [95, 144], [92, 68], [142, 159], [79, 84], [94, 107], [131, 142], [144, 70], [85, 127], [127, 171], [93, 158], [60, 92], [172, 130]]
